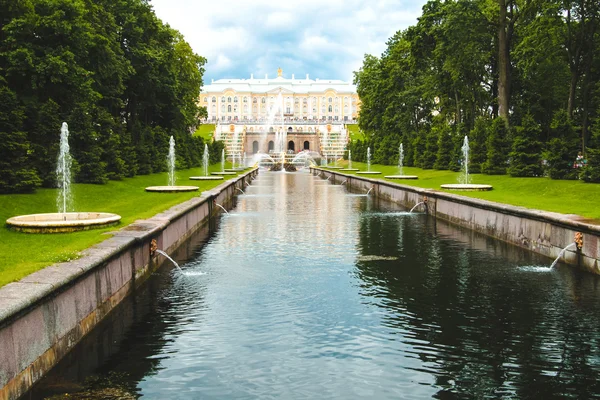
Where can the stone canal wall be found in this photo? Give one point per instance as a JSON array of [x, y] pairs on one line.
[[45, 314], [542, 232]]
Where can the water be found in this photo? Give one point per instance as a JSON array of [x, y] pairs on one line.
[[464, 177], [205, 160], [562, 252], [415, 206], [171, 161], [349, 159], [368, 159], [168, 258], [63, 172], [401, 160], [308, 293], [222, 160]]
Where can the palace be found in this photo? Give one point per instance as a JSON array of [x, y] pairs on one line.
[[275, 116], [299, 99]]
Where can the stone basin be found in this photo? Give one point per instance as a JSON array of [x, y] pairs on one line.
[[467, 187], [223, 173], [62, 222], [369, 172], [349, 169], [401, 177], [171, 189], [206, 178]]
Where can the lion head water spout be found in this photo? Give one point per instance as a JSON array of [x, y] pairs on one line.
[[171, 161], [63, 172]]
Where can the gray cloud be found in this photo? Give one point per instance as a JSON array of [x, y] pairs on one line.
[[324, 39]]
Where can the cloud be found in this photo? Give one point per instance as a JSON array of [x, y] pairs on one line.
[[327, 40]]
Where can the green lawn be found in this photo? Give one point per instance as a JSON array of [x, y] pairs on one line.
[[24, 253], [205, 131], [355, 133], [567, 197]]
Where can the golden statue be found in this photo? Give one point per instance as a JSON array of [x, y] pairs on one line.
[[279, 72]]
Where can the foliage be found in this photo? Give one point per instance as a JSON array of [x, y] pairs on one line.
[[591, 171], [123, 81], [497, 148], [526, 154], [561, 150], [445, 147], [516, 58]]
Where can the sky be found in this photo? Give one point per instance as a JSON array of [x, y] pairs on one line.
[[325, 39]]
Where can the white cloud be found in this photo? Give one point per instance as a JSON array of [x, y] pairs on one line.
[[324, 39]]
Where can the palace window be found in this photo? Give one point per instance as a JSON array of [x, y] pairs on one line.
[[245, 99], [296, 101], [223, 107], [229, 99], [245, 108], [254, 100], [235, 99], [229, 108], [330, 108], [263, 100], [330, 99], [336, 109], [304, 101], [214, 99], [223, 99], [206, 99]]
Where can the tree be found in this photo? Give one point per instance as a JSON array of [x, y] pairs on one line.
[[526, 154], [445, 147], [498, 146], [478, 145], [591, 171], [561, 151], [16, 173]]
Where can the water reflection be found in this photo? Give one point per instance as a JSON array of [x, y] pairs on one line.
[[306, 292]]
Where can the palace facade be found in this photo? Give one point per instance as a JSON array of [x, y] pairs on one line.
[[239, 100]]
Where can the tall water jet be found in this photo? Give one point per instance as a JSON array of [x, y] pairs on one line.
[[205, 160], [63, 220], [368, 171], [401, 166], [222, 160], [464, 178], [63, 172], [401, 160], [171, 161]]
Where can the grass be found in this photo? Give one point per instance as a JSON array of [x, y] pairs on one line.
[[23, 253], [567, 197], [355, 133], [205, 131]]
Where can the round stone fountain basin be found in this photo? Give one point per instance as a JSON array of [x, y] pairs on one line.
[[171, 189], [334, 167], [401, 177], [206, 178], [467, 187], [62, 222], [369, 173], [349, 169], [223, 173]]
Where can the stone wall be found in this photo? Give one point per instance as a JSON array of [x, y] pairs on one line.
[[46, 313], [542, 232]]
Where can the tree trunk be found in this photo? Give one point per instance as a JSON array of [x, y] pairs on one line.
[[572, 90], [503, 63], [458, 116]]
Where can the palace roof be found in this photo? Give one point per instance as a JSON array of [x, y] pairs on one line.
[[297, 86]]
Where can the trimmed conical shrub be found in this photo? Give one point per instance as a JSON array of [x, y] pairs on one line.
[[497, 148], [526, 154]]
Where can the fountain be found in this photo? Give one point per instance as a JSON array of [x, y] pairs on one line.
[[464, 179], [205, 176], [562, 252], [368, 171], [349, 163], [223, 172], [401, 167], [63, 220], [171, 165]]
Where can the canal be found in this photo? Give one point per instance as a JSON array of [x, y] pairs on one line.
[[308, 291]]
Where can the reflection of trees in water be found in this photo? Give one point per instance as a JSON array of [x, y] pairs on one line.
[[477, 324], [123, 348]]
